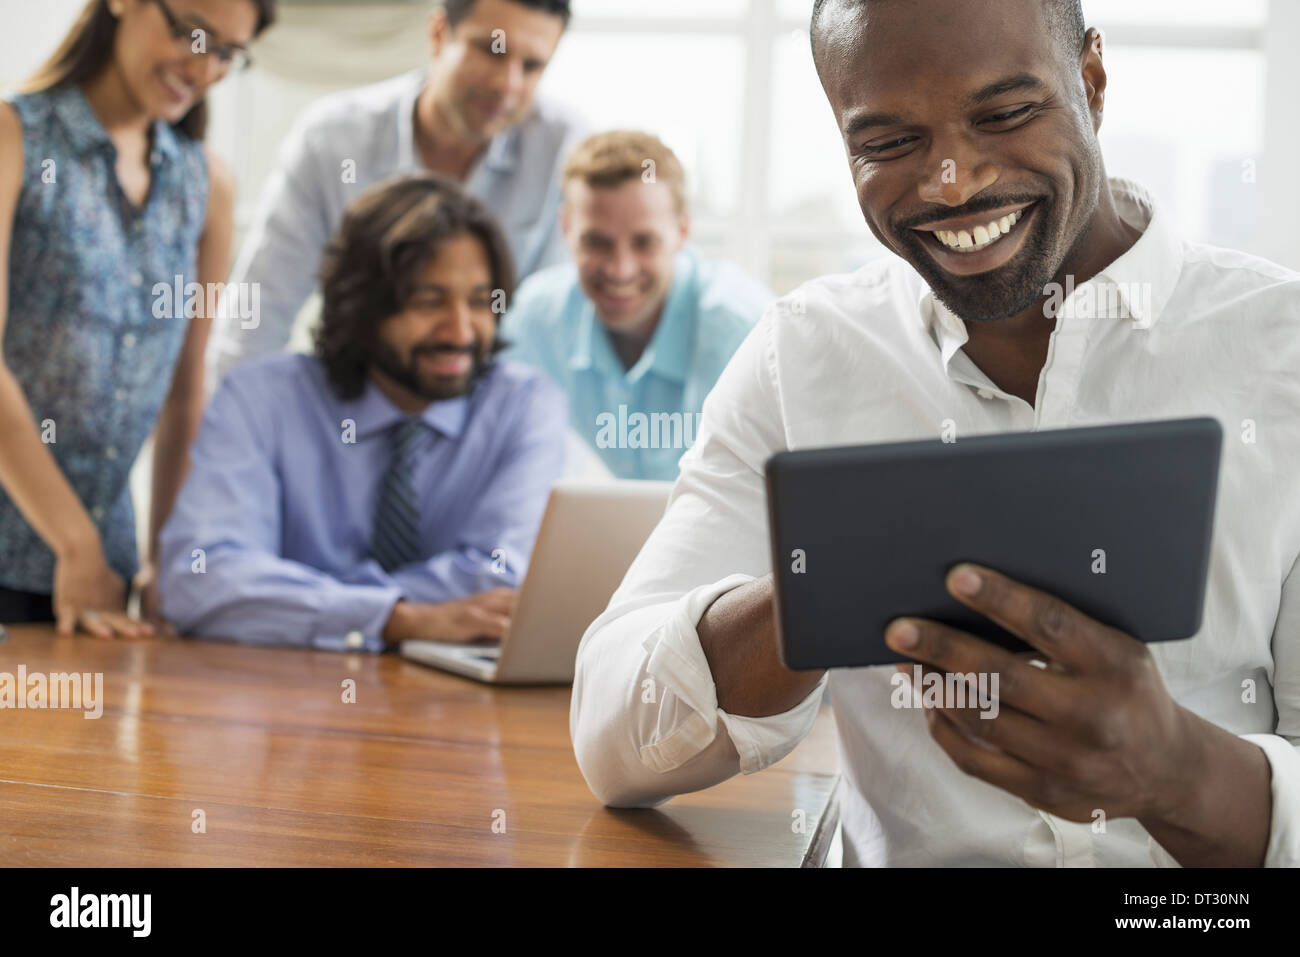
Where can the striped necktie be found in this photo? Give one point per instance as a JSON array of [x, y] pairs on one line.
[[395, 540]]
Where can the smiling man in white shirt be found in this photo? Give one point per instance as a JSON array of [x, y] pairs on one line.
[[1068, 301]]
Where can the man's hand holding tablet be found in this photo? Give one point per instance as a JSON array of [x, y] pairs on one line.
[[1094, 735]]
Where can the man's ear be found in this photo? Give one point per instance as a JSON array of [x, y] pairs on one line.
[[439, 30], [1093, 72], [564, 219], [684, 223]]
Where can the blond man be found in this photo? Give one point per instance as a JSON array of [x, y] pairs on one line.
[[639, 326]]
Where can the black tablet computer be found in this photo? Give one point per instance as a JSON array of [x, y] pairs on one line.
[[1114, 519]]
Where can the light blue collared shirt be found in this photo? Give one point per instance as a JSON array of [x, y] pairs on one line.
[[269, 542], [348, 141], [639, 420]]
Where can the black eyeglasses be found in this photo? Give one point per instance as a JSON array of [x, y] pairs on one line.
[[195, 40]]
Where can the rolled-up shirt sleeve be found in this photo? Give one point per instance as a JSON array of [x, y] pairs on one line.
[[1284, 831], [1281, 748], [644, 715]]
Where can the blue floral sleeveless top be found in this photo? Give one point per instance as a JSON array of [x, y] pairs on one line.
[[84, 336]]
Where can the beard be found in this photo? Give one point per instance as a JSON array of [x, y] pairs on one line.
[[428, 385], [999, 293], [1016, 285], [1002, 292]]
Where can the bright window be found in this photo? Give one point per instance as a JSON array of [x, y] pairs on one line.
[[744, 78]]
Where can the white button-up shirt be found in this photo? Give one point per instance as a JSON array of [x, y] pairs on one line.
[[1170, 329]]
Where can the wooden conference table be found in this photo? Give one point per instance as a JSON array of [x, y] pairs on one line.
[[423, 769]]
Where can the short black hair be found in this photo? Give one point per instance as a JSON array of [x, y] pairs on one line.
[[1064, 19], [457, 10]]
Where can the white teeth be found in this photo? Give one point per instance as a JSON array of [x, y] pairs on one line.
[[177, 85], [981, 237]]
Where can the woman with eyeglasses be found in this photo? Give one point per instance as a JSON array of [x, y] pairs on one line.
[[107, 197]]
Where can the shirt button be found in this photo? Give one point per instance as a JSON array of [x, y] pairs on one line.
[[137, 279], [128, 341], [120, 395], [985, 394], [139, 225], [97, 512], [354, 639], [110, 452]]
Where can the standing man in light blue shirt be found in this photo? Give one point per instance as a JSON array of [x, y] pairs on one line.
[[472, 116], [639, 327], [391, 486]]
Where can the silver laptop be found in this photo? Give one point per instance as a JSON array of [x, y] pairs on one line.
[[590, 533]]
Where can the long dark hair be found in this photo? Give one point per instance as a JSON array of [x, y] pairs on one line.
[[389, 233], [88, 48]]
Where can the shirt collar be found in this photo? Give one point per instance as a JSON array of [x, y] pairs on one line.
[[165, 144], [1148, 271], [87, 134], [947, 330], [1144, 275], [501, 155], [668, 353], [374, 413]]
